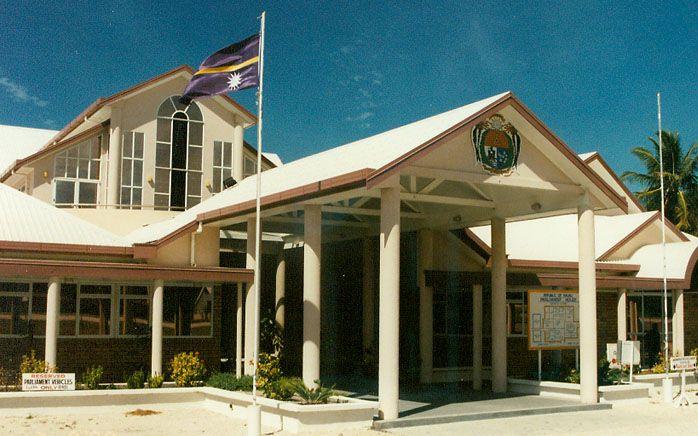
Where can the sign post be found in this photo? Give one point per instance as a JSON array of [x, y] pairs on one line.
[[553, 322], [683, 363], [628, 354]]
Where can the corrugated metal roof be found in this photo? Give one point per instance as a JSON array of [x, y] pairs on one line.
[[26, 219], [372, 152]]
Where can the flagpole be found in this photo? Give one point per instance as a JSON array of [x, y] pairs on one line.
[[668, 393], [254, 417]]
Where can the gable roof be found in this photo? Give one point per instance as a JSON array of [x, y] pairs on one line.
[[590, 157], [29, 223], [57, 140], [18, 142], [355, 164]]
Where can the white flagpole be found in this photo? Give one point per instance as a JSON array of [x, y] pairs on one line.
[[254, 416], [666, 303]]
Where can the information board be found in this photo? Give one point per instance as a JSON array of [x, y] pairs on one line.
[[49, 381], [553, 320], [683, 363]]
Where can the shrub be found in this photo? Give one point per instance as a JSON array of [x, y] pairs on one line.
[[660, 366], [229, 382], [187, 369], [8, 380], [155, 381], [317, 395], [573, 376], [32, 364], [92, 377], [268, 375], [135, 380]]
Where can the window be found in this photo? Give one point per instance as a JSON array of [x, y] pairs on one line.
[[453, 326], [14, 309], [646, 323], [39, 293], [517, 312], [132, 170], [249, 167], [222, 164], [187, 311], [76, 174], [134, 311], [67, 321], [178, 155], [94, 306]]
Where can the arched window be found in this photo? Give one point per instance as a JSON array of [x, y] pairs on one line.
[[178, 154]]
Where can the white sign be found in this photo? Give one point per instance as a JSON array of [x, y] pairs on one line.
[[49, 381], [612, 355], [629, 352], [684, 363], [553, 320]]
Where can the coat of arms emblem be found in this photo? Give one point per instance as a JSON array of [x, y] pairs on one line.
[[497, 145]]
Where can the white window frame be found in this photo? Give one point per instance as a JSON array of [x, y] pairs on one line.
[[131, 185], [219, 169], [85, 296], [77, 180]]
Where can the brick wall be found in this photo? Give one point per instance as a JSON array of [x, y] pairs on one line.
[[690, 323]]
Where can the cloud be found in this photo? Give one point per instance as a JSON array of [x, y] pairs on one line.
[[20, 93], [360, 117]]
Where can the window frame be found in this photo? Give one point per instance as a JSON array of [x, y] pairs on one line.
[[220, 169], [77, 181], [131, 186], [29, 307], [213, 312], [120, 296]]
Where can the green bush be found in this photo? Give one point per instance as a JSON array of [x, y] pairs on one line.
[[155, 381], [573, 377], [32, 364], [92, 377], [187, 369], [135, 380], [268, 375], [229, 382], [317, 395]]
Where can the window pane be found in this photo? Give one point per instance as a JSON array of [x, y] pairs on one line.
[[162, 181], [227, 172], [88, 193], [196, 133], [193, 183], [195, 158], [162, 155], [187, 311], [166, 109], [95, 290], [71, 168], [96, 147], [83, 168], [135, 290], [179, 106], [38, 316], [137, 173], [227, 154], [94, 170], [84, 149], [127, 150], [201, 313], [95, 316], [14, 315], [73, 152], [60, 167], [194, 112], [216, 180], [136, 197], [217, 153], [134, 316], [66, 323], [138, 145], [125, 196], [126, 172], [193, 201], [65, 192], [162, 201], [164, 129]]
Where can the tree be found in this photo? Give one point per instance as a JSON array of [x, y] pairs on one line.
[[680, 181]]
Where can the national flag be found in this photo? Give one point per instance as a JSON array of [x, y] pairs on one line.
[[229, 69]]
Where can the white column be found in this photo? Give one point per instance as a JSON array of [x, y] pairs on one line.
[[281, 289], [156, 337], [250, 299], [499, 305], [367, 297], [477, 337], [238, 330], [677, 324], [53, 304], [114, 168], [587, 302], [311, 293], [238, 153], [621, 315], [426, 305], [389, 305]]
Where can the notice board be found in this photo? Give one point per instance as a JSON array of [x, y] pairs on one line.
[[553, 320]]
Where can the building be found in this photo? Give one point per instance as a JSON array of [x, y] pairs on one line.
[[407, 252]]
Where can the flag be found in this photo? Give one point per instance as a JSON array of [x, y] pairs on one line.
[[229, 69]]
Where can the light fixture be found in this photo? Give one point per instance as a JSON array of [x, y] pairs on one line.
[[536, 207], [45, 174]]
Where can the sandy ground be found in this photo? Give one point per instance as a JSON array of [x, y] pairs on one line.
[[634, 419]]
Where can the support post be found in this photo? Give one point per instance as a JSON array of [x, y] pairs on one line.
[[238, 330], [311, 293], [477, 337], [250, 299], [280, 301], [426, 305], [238, 150], [114, 168], [499, 305], [677, 341], [587, 301], [368, 317], [389, 307], [622, 317], [156, 337], [53, 304]]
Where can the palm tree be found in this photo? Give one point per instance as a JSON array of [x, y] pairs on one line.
[[680, 181]]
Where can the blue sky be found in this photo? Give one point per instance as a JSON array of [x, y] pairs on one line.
[[340, 71]]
